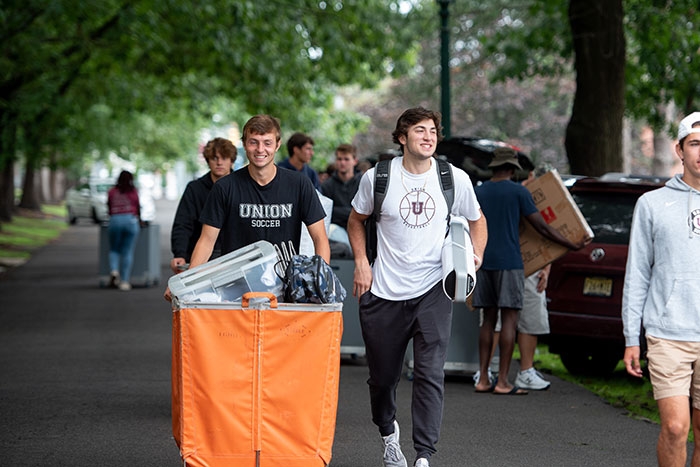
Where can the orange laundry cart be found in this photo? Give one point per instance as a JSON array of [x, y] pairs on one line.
[[255, 382]]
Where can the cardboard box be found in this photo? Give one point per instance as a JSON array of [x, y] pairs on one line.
[[559, 210]]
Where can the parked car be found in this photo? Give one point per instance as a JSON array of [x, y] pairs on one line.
[[585, 287], [89, 201]]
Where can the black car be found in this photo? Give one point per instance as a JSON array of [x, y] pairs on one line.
[[473, 155]]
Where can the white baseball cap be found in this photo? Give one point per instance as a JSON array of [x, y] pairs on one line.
[[686, 126]]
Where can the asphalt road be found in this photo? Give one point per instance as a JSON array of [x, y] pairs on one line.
[[85, 381]]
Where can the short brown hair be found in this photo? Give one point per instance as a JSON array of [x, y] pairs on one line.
[[221, 146], [261, 125], [347, 149], [416, 115], [298, 140]]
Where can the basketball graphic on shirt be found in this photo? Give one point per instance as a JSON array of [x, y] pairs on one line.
[[417, 208], [695, 221]]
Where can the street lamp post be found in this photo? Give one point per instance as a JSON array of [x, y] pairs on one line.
[[445, 66]]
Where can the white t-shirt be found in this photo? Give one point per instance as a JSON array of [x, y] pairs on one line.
[[412, 227]]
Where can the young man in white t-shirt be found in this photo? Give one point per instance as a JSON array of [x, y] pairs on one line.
[[401, 295]]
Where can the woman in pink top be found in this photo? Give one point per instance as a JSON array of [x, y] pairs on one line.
[[124, 225]]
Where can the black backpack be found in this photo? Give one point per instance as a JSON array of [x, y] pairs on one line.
[[382, 172]]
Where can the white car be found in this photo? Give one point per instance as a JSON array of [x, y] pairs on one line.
[[89, 201]]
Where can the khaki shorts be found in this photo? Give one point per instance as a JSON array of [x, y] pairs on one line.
[[671, 366], [533, 317]]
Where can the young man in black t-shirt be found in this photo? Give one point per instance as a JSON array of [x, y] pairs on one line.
[[220, 154], [260, 201]]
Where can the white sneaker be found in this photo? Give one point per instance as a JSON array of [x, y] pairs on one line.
[[531, 379], [422, 462], [393, 457], [124, 286], [477, 375]]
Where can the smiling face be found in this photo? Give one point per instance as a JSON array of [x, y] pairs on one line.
[[420, 140], [261, 148]]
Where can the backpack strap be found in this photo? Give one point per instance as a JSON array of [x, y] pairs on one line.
[[381, 183], [447, 183]]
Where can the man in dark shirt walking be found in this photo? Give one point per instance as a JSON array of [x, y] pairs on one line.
[[219, 154]]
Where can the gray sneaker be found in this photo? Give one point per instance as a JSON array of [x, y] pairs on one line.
[[531, 379], [393, 457]]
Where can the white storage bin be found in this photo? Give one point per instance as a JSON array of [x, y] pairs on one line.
[[227, 278]]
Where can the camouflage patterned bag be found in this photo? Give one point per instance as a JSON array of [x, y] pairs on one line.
[[309, 279]]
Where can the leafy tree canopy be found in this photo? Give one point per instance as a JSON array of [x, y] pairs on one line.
[[663, 51], [143, 76]]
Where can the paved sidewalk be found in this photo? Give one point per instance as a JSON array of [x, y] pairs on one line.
[[85, 381]]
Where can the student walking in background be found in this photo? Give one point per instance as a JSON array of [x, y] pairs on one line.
[[220, 154], [342, 185], [300, 148], [500, 282], [123, 230]]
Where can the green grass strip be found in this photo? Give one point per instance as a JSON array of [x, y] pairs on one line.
[[29, 231]]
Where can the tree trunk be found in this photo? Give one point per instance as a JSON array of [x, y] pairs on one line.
[[30, 189], [664, 154], [594, 133], [53, 189], [8, 138], [53, 186], [628, 146], [31, 185], [7, 191]]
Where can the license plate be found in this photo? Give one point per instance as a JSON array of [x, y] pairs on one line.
[[597, 286]]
